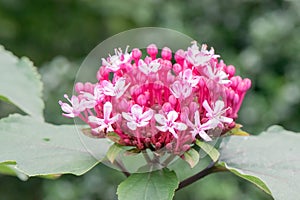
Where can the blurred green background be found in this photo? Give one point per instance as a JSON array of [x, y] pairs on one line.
[[262, 39]]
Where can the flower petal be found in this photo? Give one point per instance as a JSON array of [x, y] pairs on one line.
[[172, 116], [131, 125], [127, 116], [180, 126], [160, 119], [107, 108]]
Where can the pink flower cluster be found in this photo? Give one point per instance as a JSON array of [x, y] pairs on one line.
[[160, 102]]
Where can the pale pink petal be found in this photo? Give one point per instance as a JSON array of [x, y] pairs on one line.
[[197, 118], [114, 119], [95, 120], [180, 126], [127, 116], [160, 119], [162, 128], [172, 116], [136, 110], [107, 108], [219, 105], [66, 107], [131, 125], [147, 115], [226, 119], [204, 136], [171, 130], [207, 107], [176, 89]]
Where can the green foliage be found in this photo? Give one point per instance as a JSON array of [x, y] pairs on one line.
[[39, 148], [158, 185], [209, 150], [270, 160], [192, 157], [21, 84]]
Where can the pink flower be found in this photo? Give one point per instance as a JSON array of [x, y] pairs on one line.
[[116, 89], [152, 67], [216, 74], [200, 129], [181, 90], [188, 77], [216, 115], [97, 96], [113, 62], [169, 124], [199, 58], [76, 107], [107, 121], [137, 118]]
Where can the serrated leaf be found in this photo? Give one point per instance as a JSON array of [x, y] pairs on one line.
[[158, 185], [209, 149], [21, 84], [269, 160], [192, 157], [39, 148]]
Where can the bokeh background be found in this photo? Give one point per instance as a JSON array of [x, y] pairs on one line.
[[262, 39]]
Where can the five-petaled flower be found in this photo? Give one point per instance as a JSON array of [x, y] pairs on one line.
[[216, 115], [137, 118], [77, 106], [113, 62], [152, 67], [169, 123], [107, 121], [199, 129], [116, 89]]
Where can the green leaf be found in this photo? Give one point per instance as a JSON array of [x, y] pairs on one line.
[[237, 130], [10, 169], [115, 150], [192, 157], [21, 84], [209, 149], [270, 160], [158, 185], [39, 148]]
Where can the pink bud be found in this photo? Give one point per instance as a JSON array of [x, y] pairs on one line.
[[169, 146], [179, 56], [157, 145], [186, 147], [89, 87], [166, 53], [172, 99], [136, 54], [152, 51], [167, 107], [141, 100], [177, 68], [79, 87], [230, 70]]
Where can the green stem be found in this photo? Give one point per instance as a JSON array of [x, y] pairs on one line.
[[211, 168]]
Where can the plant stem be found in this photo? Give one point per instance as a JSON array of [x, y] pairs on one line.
[[211, 168], [122, 168]]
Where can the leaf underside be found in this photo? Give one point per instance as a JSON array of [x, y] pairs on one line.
[[39, 148], [270, 160]]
